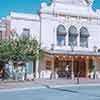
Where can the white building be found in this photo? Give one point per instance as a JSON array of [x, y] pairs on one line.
[[69, 32]]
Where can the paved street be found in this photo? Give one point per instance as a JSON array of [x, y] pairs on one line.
[[65, 93], [50, 90]]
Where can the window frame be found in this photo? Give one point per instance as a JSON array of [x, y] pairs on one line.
[[60, 43], [71, 42], [61, 34], [26, 32], [1, 35], [83, 42]]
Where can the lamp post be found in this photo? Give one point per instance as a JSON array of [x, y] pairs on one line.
[[52, 46], [94, 62], [53, 74], [94, 70], [95, 49], [72, 71]]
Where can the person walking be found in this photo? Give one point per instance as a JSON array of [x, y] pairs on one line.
[[67, 71]]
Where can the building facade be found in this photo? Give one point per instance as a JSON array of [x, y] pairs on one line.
[[4, 35], [69, 32], [4, 29]]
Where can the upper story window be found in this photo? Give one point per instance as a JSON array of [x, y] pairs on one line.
[[0, 35], [84, 34], [26, 32], [72, 36], [61, 34]]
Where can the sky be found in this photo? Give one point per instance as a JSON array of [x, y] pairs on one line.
[[27, 6]]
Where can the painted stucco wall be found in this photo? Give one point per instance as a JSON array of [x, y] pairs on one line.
[[19, 21], [49, 35], [61, 13], [44, 26]]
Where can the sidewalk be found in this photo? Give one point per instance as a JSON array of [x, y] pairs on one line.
[[68, 82], [44, 83], [18, 84]]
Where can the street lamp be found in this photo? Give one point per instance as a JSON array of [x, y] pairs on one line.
[[94, 62], [72, 71], [95, 48], [94, 69], [52, 47]]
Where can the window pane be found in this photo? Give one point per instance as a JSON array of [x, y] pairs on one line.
[[26, 32], [0, 35], [83, 42], [61, 30], [60, 40], [72, 40]]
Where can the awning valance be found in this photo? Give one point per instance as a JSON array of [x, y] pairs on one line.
[[73, 53]]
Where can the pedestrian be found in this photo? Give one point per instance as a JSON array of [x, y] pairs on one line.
[[67, 71], [78, 75]]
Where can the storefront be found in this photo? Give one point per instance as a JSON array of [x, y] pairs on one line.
[[77, 64], [83, 63]]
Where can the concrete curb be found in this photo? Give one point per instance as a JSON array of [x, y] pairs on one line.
[[73, 85], [13, 81], [47, 86], [22, 89]]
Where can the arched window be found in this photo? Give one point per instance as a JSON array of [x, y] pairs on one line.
[[61, 34], [72, 35], [84, 34]]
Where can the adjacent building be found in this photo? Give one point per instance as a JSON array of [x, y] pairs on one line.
[[4, 35], [69, 33], [4, 29]]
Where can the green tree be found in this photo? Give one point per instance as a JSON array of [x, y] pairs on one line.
[[20, 48], [5, 50]]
